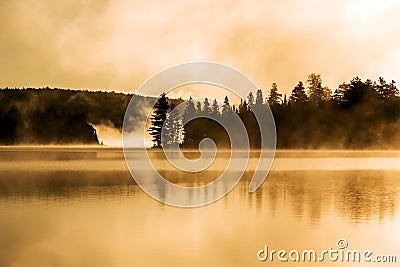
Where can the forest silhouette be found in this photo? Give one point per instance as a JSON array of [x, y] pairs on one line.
[[58, 116], [359, 114]]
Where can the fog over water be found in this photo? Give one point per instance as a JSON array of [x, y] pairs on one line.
[[80, 206]]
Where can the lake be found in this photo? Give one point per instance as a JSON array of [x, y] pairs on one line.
[[79, 206]]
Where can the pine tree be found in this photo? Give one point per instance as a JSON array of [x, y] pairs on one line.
[[316, 92], [394, 91], [206, 107], [190, 110], [189, 130], [173, 130], [259, 98], [226, 108], [215, 109], [243, 107], [337, 96], [299, 95], [250, 99], [386, 91], [198, 107], [158, 119], [274, 98]]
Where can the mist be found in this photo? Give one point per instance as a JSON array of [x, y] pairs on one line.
[[110, 136], [117, 45], [55, 116]]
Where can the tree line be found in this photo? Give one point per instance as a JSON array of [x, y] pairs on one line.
[[59, 116], [356, 115]]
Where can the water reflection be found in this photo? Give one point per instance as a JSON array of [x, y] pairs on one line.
[[358, 196], [90, 212]]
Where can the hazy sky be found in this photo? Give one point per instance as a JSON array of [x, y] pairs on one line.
[[117, 45]]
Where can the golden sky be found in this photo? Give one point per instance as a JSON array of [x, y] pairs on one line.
[[117, 45]]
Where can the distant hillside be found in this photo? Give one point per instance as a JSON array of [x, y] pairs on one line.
[[58, 116]]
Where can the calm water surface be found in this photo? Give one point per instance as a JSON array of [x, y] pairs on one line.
[[80, 207]]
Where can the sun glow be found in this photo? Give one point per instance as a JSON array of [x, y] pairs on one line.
[[367, 9]]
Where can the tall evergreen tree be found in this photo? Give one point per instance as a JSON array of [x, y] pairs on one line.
[[299, 95], [173, 131], [215, 108], [226, 108], [190, 110], [394, 91], [386, 91], [158, 119], [274, 98], [206, 107], [316, 92], [250, 99], [259, 98], [198, 107], [337, 96], [188, 128]]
